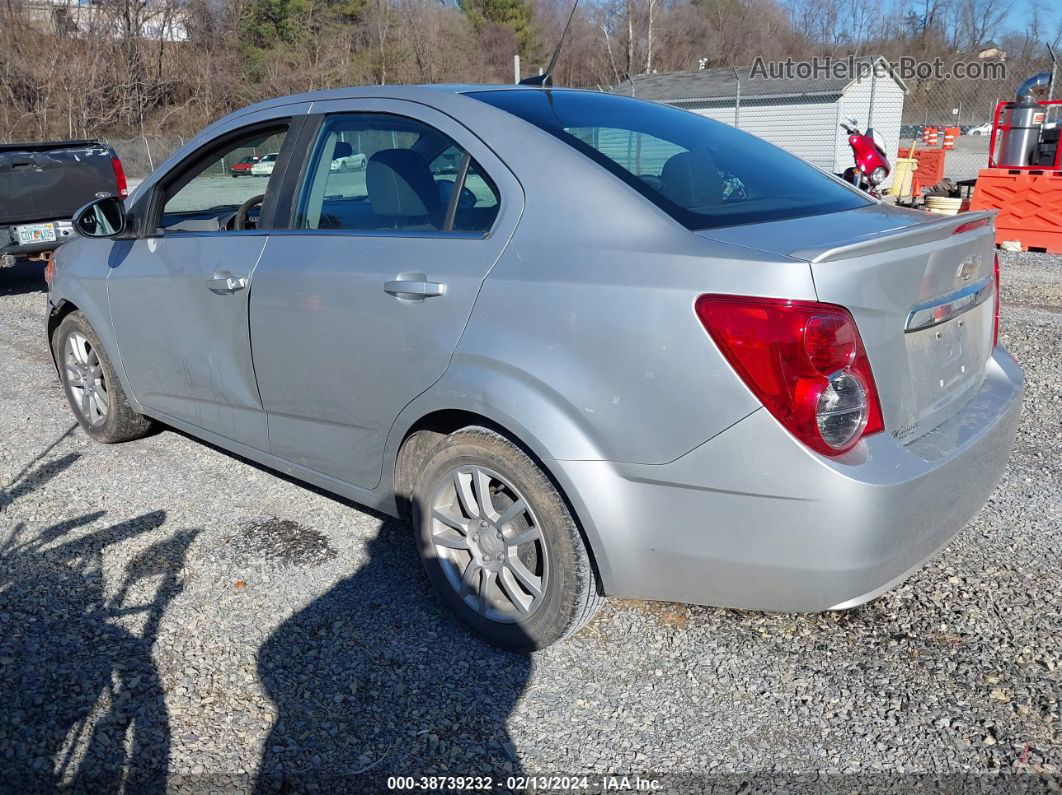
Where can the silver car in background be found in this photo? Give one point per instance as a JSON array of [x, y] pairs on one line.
[[595, 346]]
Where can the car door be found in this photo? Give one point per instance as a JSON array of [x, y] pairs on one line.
[[358, 307], [178, 292]]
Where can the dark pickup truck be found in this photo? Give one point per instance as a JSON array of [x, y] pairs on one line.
[[43, 184]]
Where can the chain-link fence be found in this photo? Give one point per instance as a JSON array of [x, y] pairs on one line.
[[954, 117], [945, 117], [922, 105], [142, 155]]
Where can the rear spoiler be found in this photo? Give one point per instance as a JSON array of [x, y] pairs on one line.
[[913, 235]]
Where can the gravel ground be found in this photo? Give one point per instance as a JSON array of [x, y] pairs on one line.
[[176, 616]]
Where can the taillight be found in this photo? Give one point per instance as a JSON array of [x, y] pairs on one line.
[[804, 361], [969, 226], [995, 319], [119, 177]]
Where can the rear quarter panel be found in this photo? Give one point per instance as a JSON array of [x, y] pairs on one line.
[[584, 331]]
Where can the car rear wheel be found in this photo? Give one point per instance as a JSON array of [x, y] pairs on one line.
[[499, 543], [92, 388]]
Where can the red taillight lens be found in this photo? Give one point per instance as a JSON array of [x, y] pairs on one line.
[[995, 320], [804, 361], [830, 342], [969, 226], [119, 177]]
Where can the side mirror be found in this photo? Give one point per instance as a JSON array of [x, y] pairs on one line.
[[104, 217]]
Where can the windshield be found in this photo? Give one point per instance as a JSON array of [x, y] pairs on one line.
[[879, 142], [702, 172]]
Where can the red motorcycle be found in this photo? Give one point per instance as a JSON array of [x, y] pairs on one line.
[[871, 163]]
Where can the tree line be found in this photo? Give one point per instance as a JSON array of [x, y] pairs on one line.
[[131, 68]]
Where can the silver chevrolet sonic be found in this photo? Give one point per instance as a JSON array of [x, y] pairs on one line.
[[592, 345]]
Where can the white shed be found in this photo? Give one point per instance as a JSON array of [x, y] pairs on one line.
[[801, 115]]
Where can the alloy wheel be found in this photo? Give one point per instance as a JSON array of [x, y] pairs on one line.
[[85, 379], [489, 544]]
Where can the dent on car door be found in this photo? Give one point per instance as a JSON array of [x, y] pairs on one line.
[[178, 293], [358, 307]]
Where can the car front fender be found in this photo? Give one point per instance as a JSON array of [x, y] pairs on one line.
[[80, 282]]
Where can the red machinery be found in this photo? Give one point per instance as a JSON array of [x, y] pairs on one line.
[[1023, 180]]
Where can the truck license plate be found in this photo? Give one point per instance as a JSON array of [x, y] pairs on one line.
[[35, 233]]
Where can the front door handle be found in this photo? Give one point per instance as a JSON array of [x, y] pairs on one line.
[[413, 287], [224, 283]]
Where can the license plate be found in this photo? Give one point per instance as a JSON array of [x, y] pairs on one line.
[[950, 354], [35, 233]]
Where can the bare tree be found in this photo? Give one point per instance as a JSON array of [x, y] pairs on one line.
[[649, 37], [124, 69], [976, 19]]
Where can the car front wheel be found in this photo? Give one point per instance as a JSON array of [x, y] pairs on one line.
[[96, 397], [499, 543]]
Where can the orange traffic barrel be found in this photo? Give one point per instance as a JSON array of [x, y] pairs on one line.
[[949, 137]]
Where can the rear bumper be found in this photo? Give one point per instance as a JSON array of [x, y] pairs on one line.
[[9, 242], [752, 519]]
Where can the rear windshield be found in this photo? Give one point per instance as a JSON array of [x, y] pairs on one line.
[[703, 173]]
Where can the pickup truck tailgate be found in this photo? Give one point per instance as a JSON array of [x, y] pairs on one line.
[[48, 181]]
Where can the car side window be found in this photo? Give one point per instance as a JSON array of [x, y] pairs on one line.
[[207, 196], [477, 216], [382, 172]]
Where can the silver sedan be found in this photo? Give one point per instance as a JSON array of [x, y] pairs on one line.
[[591, 345]]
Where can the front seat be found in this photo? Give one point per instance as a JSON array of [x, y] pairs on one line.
[[402, 190], [692, 180]]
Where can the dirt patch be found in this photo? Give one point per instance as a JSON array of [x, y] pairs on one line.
[[670, 614]]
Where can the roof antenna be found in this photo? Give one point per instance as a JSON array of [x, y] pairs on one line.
[[546, 78]]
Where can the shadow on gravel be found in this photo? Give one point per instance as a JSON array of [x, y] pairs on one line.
[[372, 679], [22, 277], [81, 703], [375, 679]]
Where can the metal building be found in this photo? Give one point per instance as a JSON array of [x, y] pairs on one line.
[[800, 115]]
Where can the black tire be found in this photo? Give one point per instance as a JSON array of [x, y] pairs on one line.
[[120, 422], [569, 596]]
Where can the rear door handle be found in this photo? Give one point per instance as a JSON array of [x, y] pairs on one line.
[[413, 287], [224, 283]]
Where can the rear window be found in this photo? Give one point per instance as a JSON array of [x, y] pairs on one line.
[[703, 173]]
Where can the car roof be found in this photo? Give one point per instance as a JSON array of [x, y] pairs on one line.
[[449, 98], [415, 92]]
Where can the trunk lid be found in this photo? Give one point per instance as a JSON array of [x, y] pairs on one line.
[[921, 295]]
